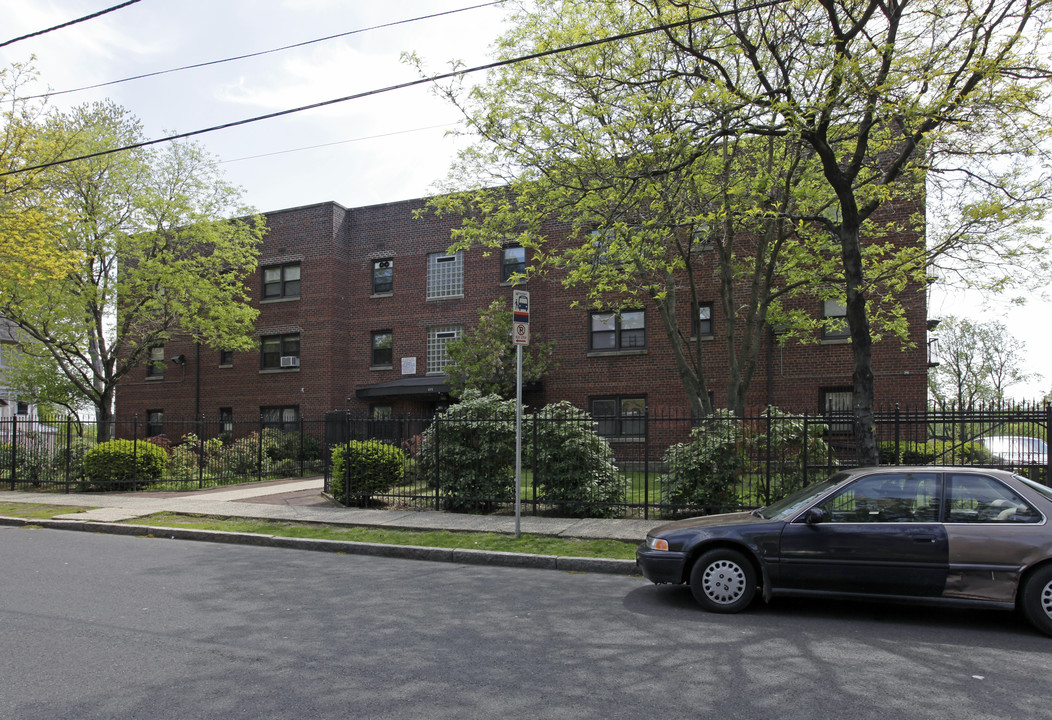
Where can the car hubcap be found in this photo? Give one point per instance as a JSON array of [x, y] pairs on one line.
[[1046, 599], [724, 582]]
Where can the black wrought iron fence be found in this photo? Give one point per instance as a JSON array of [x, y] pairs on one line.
[[63, 454], [652, 466]]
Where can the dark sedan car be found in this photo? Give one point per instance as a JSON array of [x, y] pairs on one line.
[[949, 535]]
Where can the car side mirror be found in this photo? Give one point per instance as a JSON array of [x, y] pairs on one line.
[[815, 515]]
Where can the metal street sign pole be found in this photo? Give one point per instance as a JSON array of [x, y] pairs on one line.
[[520, 335], [518, 438]]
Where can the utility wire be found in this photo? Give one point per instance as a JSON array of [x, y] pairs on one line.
[[402, 86], [71, 22], [261, 52], [337, 142]]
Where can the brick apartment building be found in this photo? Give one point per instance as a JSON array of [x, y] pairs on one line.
[[357, 306]]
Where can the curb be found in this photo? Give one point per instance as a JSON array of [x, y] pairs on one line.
[[461, 556]]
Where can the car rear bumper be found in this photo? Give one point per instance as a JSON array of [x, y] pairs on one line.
[[660, 566]]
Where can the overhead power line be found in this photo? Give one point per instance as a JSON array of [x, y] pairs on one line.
[[71, 22], [261, 52], [402, 86]]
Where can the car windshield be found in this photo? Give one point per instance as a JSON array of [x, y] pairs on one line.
[[791, 504], [1046, 491]]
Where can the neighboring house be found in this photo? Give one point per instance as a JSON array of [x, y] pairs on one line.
[[10, 406], [357, 307]]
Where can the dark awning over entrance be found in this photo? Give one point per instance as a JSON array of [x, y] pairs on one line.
[[433, 387]]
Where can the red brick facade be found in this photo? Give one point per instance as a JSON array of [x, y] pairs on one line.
[[335, 313]]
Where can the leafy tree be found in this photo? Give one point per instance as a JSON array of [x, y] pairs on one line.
[[606, 139], [978, 362], [159, 214], [483, 359], [892, 97], [29, 251]]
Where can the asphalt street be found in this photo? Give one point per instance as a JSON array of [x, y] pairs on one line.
[[105, 626]]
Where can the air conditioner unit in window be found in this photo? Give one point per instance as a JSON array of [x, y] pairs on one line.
[[290, 361]]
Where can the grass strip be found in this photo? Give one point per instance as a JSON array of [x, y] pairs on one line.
[[534, 544], [38, 511]]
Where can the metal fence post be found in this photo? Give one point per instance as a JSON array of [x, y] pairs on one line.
[[646, 462], [69, 448], [898, 434], [259, 451], [438, 469], [135, 453], [807, 445], [14, 451], [767, 462], [201, 451]]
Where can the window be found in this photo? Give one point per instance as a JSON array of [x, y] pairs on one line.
[[601, 241], [445, 275], [438, 338], [226, 421], [512, 262], [280, 351], [836, 405], [383, 277], [281, 418], [834, 320], [154, 423], [226, 358], [383, 342], [703, 321], [894, 497], [610, 331], [979, 498], [382, 412], [620, 416], [155, 365], [281, 281], [21, 408]]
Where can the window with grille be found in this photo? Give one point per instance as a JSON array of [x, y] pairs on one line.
[[438, 338], [445, 275]]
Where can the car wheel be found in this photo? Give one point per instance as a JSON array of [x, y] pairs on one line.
[[1035, 598], [723, 581]]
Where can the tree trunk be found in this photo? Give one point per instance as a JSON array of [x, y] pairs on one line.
[[861, 347]]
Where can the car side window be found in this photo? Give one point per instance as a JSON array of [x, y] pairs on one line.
[[887, 497], [979, 498]]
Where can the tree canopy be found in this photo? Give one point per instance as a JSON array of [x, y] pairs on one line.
[[151, 252], [978, 363], [846, 115], [483, 359]]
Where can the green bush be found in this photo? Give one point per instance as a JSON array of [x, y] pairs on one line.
[[704, 472], [787, 445], [474, 464], [361, 469], [935, 452], [124, 464], [293, 445], [573, 465]]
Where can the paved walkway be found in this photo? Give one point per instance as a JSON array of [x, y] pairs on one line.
[[301, 500]]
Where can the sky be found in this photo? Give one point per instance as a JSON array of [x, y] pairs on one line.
[[388, 147]]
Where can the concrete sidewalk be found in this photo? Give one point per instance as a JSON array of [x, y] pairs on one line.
[[301, 500]]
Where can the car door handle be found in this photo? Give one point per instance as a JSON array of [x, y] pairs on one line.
[[924, 538]]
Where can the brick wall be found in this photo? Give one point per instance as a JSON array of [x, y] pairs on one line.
[[336, 314]]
